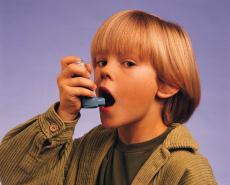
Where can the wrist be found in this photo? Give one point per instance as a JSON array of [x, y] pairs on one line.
[[65, 116]]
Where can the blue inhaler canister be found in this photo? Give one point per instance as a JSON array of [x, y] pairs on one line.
[[92, 102], [87, 102]]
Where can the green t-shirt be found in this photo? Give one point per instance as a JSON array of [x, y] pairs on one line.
[[123, 161]]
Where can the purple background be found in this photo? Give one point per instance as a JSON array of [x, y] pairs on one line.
[[34, 35]]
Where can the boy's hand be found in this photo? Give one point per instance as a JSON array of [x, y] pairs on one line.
[[73, 82]]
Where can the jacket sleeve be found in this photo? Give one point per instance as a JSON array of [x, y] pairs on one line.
[[36, 152]]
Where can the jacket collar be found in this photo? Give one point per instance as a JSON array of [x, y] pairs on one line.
[[179, 138]]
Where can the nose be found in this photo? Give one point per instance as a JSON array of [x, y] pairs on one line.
[[106, 72]]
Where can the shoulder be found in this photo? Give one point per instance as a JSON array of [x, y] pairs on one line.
[[184, 160], [188, 160], [193, 168]]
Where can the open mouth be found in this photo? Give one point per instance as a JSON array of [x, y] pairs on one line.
[[109, 99]]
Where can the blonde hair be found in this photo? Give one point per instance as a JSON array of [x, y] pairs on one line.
[[166, 45]]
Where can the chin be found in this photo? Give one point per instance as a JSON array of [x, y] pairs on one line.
[[110, 123], [113, 123]]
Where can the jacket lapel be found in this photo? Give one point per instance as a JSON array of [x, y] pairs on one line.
[[90, 164], [151, 166]]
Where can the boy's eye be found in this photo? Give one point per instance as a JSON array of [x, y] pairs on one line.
[[101, 63], [129, 63]]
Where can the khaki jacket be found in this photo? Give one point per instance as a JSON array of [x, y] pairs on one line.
[[42, 152]]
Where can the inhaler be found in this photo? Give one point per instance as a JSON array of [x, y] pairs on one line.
[[88, 102]]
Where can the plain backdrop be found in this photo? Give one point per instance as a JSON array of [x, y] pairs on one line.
[[35, 35]]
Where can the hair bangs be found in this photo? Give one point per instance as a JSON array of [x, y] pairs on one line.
[[122, 36]]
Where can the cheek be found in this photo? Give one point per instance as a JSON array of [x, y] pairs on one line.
[[139, 91]]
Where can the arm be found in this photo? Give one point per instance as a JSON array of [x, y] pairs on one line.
[[37, 150]]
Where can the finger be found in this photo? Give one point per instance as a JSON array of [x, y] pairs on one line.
[[81, 82], [80, 91], [88, 67], [65, 61], [75, 70]]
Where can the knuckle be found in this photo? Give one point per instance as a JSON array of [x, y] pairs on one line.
[[62, 89], [60, 81], [64, 60]]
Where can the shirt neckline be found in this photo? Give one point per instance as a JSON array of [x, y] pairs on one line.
[[143, 146]]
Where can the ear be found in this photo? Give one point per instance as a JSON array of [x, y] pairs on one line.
[[166, 91]]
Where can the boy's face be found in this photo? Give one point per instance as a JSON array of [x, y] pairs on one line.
[[132, 84]]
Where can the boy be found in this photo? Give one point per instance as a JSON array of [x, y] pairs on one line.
[[145, 68]]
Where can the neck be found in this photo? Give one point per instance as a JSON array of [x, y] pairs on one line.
[[146, 129]]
